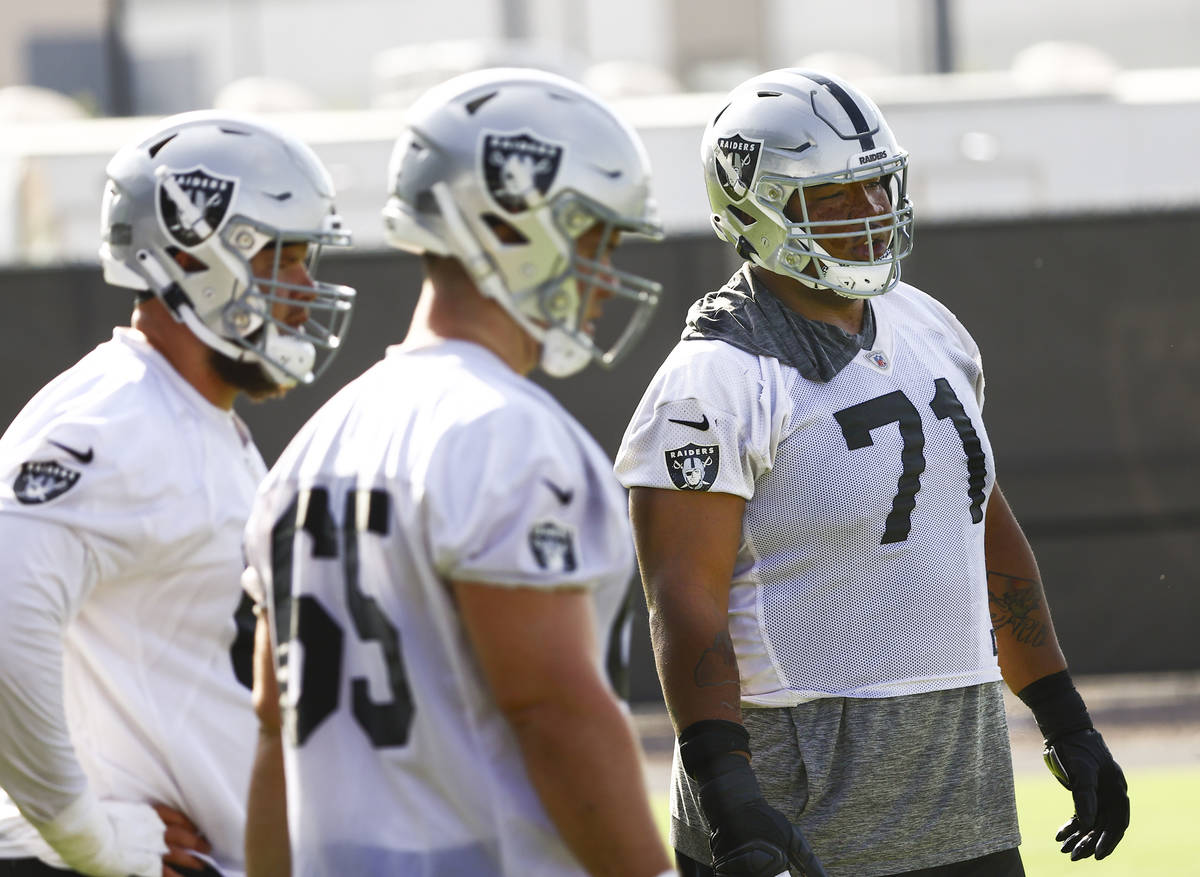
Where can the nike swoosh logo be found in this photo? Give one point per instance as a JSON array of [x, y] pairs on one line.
[[696, 424], [563, 496], [81, 456]]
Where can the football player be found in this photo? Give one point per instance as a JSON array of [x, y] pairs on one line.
[[125, 485], [836, 584], [438, 553]]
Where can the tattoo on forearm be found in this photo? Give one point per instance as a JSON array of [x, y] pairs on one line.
[[717, 664], [1018, 606]]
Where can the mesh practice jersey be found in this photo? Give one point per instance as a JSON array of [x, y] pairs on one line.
[[861, 569], [438, 464], [128, 493]]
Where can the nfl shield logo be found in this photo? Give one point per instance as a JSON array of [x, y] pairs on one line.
[[693, 467], [879, 359], [737, 160], [519, 169], [42, 481], [208, 197]]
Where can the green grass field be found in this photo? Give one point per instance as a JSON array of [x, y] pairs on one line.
[[1163, 838], [1164, 831]]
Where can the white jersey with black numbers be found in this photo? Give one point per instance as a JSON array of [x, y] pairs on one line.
[[128, 492], [439, 464], [861, 569]]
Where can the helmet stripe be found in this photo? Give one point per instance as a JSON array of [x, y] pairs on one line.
[[852, 110]]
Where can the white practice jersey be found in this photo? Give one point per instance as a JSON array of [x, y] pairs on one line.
[[128, 493], [438, 464], [861, 570]]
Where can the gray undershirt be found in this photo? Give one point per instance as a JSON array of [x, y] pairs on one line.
[[879, 786]]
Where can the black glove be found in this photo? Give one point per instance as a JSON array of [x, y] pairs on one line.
[[1077, 757], [749, 837]]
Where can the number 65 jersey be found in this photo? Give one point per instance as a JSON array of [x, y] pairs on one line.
[[439, 464], [861, 567]]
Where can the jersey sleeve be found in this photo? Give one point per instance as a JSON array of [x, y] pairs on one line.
[[44, 583], [514, 499], [707, 422], [104, 474]]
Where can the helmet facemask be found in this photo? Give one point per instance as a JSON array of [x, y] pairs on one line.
[[587, 309], [805, 253], [292, 328]]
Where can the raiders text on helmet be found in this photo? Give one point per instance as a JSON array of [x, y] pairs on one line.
[[221, 189], [785, 131], [504, 170]]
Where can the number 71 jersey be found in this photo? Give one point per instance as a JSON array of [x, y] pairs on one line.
[[861, 568]]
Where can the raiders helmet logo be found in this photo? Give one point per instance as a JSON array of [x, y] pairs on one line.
[[519, 169], [737, 160], [693, 467], [192, 204], [42, 481], [553, 546]]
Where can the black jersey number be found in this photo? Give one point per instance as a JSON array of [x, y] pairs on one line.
[[304, 621], [857, 421]]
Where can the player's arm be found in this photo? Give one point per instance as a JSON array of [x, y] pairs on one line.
[[268, 846], [1028, 647], [687, 543], [46, 572], [1034, 668], [536, 649]]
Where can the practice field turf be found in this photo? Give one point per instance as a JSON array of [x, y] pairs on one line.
[[1164, 831], [1163, 839]]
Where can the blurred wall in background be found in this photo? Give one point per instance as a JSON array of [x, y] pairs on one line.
[[1092, 401]]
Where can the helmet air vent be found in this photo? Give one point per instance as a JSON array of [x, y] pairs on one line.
[[160, 144], [506, 233], [473, 106], [742, 216]]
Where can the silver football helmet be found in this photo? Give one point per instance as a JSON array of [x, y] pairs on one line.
[[220, 189], [785, 131], [504, 170]]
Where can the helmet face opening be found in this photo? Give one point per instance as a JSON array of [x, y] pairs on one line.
[[784, 135], [207, 214], [528, 180]]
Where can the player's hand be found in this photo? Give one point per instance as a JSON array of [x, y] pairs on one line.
[[756, 840], [108, 838], [183, 839], [1083, 764], [748, 837]]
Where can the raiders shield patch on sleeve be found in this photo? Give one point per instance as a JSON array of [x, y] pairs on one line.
[[553, 546], [42, 481], [693, 467]]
